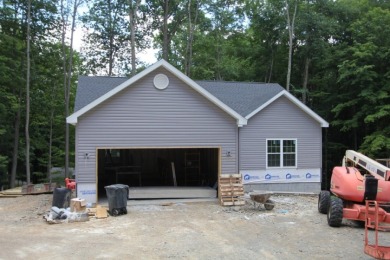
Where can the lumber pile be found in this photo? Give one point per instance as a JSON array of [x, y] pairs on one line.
[[39, 188], [11, 193], [26, 189], [231, 190]]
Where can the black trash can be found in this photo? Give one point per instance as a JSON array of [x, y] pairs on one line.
[[117, 195], [61, 198]]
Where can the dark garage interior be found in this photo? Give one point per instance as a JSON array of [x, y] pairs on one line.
[[182, 167]]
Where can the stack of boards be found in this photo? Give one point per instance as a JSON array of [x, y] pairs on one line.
[[231, 190]]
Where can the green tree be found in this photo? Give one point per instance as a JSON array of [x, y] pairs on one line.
[[106, 49], [315, 28], [267, 29], [364, 74], [43, 80], [166, 18]]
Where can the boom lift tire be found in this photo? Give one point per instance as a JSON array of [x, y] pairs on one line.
[[323, 201], [335, 212]]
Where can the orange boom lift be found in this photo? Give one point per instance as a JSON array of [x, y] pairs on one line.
[[359, 190]]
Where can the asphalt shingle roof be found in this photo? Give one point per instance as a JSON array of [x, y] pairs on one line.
[[91, 88], [242, 97]]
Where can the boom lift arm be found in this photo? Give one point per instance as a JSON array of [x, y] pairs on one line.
[[376, 169]]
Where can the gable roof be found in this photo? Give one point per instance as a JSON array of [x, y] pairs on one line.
[[72, 119], [249, 98], [241, 100]]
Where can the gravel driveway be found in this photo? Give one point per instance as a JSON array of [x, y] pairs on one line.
[[192, 230]]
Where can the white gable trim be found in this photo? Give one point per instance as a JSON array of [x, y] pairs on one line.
[[241, 121], [298, 103]]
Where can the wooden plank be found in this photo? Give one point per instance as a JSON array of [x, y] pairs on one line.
[[10, 195], [231, 185], [234, 203], [229, 179], [232, 188], [227, 195], [91, 211], [174, 174], [232, 192], [14, 191], [232, 198], [101, 212], [236, 175]]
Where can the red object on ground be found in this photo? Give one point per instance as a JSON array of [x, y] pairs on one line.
[[70, 183]]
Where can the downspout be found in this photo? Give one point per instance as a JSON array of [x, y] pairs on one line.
[[238, 150]]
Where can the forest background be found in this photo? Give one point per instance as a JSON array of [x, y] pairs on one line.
[[332, 55]]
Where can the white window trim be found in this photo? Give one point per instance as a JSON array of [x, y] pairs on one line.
[[281, 153]]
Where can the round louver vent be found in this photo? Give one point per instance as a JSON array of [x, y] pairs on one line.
[[161, 81]]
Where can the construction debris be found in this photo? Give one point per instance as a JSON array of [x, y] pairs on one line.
[[11, 193], [57, 216], [231, 190], [39, 188], [28, 189], [101, 212], [78, 205]]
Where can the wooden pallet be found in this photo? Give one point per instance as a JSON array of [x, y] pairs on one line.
[[230, 190]]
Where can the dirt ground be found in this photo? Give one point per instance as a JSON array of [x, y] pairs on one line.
[[193, 230]]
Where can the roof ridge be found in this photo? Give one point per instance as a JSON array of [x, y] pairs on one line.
[[227, 81], [108, 77]]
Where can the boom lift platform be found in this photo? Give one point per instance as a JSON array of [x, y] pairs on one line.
[[355, 186], [376, 169], [375, 250]]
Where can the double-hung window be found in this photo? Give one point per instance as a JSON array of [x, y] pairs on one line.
[[281, 153]]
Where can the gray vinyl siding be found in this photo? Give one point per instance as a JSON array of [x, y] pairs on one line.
[[142, 116], [280, 119]]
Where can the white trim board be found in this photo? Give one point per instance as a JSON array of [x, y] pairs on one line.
[[298, 103]]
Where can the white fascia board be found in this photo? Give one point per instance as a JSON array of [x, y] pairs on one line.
[[72, 119], [298, 103]]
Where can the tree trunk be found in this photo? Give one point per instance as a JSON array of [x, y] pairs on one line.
[[111, 46], [132, 16], [186, 62], [16, 143], [290, 25], [67, 97], [65, 84], [165, 31], [28, 174], [271, 67], [48, 170], [190, 42], [305, 80]]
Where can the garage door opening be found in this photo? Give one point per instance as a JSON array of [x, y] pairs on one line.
[[160, 173]]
